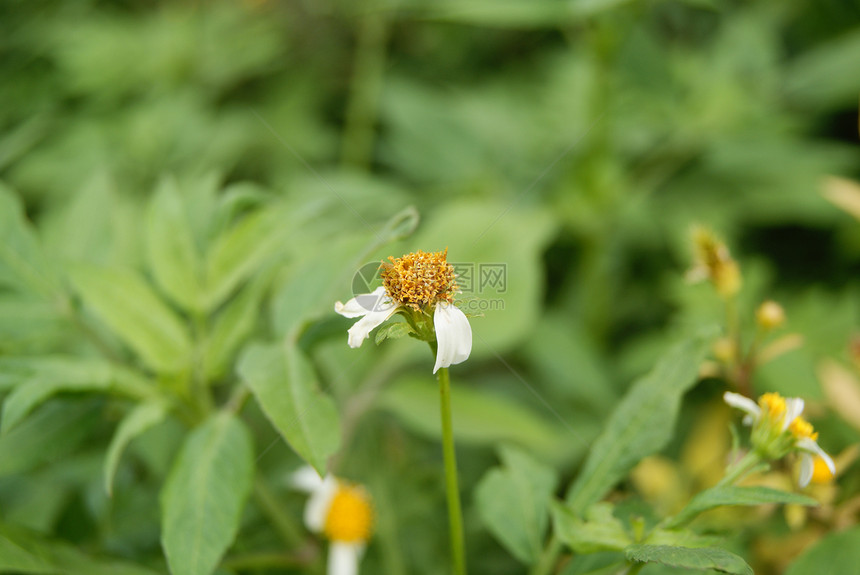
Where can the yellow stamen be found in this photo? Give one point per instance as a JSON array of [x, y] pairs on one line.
[[419, 279], [772, 406], [821, 474], [350, 515], [714, 259], [800, 428]]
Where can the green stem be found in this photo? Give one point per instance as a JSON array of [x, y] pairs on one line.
[[365, 90], [741, 469], [271, 506], [455, 513], [548, 559]]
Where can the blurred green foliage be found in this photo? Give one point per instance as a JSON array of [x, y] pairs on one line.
[[188, 187]]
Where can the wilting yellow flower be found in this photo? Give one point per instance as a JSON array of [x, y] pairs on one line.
[[713, 262], [418, 283]]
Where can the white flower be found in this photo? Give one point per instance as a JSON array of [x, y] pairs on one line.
[[340, 511], [415, 284], [771, 418]]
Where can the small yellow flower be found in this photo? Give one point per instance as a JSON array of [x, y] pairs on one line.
[[821, 472], [342, 512], [778, 430]]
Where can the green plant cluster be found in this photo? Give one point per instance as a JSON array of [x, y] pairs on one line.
[[186, 189]]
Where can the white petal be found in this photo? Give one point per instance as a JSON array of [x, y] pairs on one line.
[[453, 335], [306, 479], [807, 466], [743, 403], [793, 409], [361, 304], [810, 446], [316, 509], [343, 558], [361, 329]]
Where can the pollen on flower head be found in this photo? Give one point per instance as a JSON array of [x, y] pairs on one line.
[[801, 428], [420, 279], [772, 406], [350, 515]]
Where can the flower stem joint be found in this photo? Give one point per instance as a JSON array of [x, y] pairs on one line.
[[421, 287]]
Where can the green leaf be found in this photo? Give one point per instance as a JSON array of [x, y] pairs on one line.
[[126, 303], [203, 498], [826, 76], [141, 418], [687, 558], [241, 250], [171, 253], [601, 531], [22, 551], [393, 330], [285, 385], [53, 431], [22, 261], [834, 553], [606, 563], [513, 503], [480, 417], [28, 323], [642, 423], [232, 327], [733, 495], [49, 376]]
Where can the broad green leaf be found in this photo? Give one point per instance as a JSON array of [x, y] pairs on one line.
[[517, 13], [242, 249], [232, 327], [170, 249], [479, 417], [22, 551], [734, 495], [689, 558], [141, 418], [285, 385], [28, 324], [605, 563], [600, 531], [126, 303], [513, 503], [642, 423], [202, 500], [826, 75], [22, 261], [49, 376], [835, 553], [53, 431]]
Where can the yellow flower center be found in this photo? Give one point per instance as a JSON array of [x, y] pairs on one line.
[[350, 515], [820, 472], [772, 406], [801, 428], [419, 279]]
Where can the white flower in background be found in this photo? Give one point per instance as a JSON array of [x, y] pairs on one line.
[[779, 429], [415, 285], [340, 511]]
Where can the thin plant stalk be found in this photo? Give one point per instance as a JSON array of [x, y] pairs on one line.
[[455, 513]]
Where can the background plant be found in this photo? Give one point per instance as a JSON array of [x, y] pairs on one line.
[[188, 189]]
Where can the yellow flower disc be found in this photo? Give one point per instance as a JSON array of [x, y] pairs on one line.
[[801, 428], [820, 472], [419, 279], [350, 515]]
